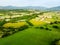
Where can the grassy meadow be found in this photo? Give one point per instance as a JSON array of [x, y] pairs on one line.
[[29, 27]]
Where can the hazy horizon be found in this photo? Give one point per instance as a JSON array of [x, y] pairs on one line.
[[19, 3]]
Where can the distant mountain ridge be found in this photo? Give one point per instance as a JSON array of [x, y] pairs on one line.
[[25, 7], [31, 7], [57, 8]]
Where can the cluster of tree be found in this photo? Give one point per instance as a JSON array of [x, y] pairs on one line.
[[51, 26], [10, 30]]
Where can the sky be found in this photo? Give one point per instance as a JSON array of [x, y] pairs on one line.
[[44, 3]]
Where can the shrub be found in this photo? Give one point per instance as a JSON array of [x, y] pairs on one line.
[[5, 34], [55, 22], [51, 23], [47, 28], [6, 30], [11, 32], [23, 27], [41, 27], [29, 23], [56, 42], [54, 26], [37, 27], [1, 34], [2, 22]]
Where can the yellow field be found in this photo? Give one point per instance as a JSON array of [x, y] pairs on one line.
[[14, 25]]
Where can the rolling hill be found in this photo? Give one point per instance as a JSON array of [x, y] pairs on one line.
[[54, 8]]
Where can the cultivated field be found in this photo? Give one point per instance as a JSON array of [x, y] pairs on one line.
[[29, 27]]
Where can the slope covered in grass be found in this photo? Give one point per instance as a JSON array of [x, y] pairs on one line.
[[31, 36]]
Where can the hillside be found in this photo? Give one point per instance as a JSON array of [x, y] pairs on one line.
[[54, 8]]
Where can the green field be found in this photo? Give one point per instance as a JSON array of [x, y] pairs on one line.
[[24, 27], [31, 36]]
